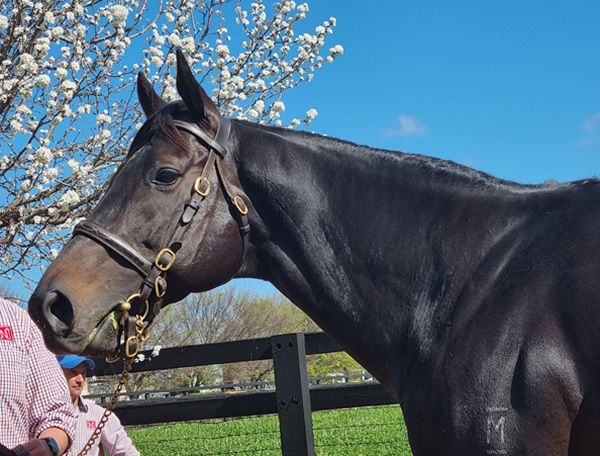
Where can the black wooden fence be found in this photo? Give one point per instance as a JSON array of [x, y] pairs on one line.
[[292, 399]]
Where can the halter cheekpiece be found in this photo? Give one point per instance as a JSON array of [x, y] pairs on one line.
[[137, 314]]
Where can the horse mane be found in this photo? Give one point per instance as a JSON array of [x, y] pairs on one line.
[[437, 168]]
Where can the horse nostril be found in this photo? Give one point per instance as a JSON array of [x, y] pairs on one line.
[[60, 306]]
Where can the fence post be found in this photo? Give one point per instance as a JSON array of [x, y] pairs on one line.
[[293, 399]]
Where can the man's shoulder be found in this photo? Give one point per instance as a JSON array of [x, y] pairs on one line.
[[15, 323], [9, 309]]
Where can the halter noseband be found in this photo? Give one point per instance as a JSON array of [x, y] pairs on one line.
[[134, 326]]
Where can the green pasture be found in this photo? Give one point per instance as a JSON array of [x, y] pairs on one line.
[[373, 431]]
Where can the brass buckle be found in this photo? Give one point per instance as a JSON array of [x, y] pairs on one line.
[[198, 186], [128, 350], [169, 264], [143, 317], [240, 204], [158, 290]]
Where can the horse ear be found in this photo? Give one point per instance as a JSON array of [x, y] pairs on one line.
[[149, 99], [193, 95]]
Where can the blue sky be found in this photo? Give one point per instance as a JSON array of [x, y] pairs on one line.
[[511, 88]]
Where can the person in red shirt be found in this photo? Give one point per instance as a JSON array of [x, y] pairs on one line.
[[113, 437], [36, 417]]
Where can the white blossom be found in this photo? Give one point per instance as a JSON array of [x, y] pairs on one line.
[[278, 106], [174, 39], [49, 174], [61, 73], [43, 155], [84, 109], [69, 198], [104, 134], [68, 85], [27, 64], [74, 165], [102, 119], [23, 109], [57, 32], [337, 49], [222, 50], [49, 17], [119, 13]]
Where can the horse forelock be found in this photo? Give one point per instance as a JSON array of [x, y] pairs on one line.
[[161, 124]]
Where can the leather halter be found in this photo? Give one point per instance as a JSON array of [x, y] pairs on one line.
[[135, 324]]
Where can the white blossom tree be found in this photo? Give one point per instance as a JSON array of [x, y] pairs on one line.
[[67, 104]]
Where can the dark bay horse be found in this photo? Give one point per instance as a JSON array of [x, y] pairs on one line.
[[473, 300]]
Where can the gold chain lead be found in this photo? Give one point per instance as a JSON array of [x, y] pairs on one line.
[[111, 405]]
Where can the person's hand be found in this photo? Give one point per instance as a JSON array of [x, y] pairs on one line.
[[37, 447]]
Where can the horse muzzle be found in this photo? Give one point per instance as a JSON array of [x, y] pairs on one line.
[[55, 315]]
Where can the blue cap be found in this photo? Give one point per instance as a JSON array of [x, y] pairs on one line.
[[70, 361]]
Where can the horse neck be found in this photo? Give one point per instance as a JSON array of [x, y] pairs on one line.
[[373, 245]]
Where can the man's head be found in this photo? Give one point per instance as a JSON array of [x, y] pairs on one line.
[[75, 368]]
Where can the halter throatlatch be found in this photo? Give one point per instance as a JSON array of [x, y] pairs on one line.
[[140, 309]]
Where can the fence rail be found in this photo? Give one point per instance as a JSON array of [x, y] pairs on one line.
[[217, 353], [292, 398], [204, 389]]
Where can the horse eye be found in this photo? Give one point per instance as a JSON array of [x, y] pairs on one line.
[[166, 176]]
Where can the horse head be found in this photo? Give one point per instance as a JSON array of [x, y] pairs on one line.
[[177, 189]]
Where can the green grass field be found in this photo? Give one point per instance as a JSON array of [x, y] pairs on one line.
[[373, 431]]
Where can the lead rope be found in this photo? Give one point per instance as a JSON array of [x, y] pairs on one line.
[[141, 335]]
